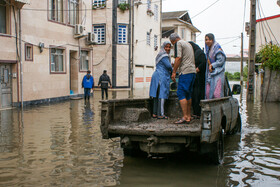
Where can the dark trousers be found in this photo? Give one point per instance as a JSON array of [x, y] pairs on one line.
[[198, 93], [106, 92], [87, 93]]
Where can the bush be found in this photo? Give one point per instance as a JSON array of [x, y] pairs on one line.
[[269, 56]]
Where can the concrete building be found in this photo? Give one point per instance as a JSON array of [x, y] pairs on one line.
[[179, 22], [267, 31], [128, 34], [50, 45], [45, 54]]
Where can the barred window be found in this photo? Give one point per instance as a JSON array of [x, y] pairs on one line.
[[99, 30], [122, 34], [148, 38], [99, 3]]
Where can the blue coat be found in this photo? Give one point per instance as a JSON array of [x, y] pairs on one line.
[[88, 82], [161, 77]]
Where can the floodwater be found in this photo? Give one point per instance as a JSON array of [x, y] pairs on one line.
[[61, 145]]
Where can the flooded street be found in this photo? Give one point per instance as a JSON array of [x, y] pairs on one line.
[[61, 145]]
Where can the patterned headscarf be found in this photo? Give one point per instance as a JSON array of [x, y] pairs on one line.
[[162, 53], [214, 49]]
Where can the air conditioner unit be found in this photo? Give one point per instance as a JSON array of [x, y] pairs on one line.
[[79, 30], [91, 38], [137, 2]]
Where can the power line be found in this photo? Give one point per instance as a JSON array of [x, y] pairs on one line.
[[230, 41], [267, 23], [205, 9]]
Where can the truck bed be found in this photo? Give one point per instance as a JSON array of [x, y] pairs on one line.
[[158, 127]]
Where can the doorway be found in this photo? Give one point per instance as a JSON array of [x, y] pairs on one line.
[[73, 72], [5, 86]]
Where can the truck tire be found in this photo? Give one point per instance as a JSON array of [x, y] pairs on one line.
[[238, 125], [132, 151], [217, 153]]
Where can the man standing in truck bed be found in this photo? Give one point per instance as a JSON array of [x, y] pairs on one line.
[[104, 80], [185, 63]]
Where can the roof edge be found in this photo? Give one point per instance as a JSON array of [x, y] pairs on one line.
[[268, 18]]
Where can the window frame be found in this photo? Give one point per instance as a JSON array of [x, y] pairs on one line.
[[80, 61], [70, 13], [156, 9], [99, 25], [122, 1], [51, 10], [99, 4], [148, 38], [126, 34], [7, 22], [149, 5], [31, 51], [63, 61], [155, 42]]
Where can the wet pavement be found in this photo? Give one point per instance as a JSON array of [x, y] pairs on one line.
[[61, 145]]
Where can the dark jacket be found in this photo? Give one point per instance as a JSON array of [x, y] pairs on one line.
[[104, 80]]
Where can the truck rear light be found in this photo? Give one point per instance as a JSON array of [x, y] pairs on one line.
[[207, 120]]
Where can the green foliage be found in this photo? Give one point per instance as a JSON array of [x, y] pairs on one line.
[[269, 56], [124, 6], [235, 76], [245, 73]]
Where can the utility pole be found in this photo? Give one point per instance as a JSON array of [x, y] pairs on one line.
[[252, 51], [241, 63]]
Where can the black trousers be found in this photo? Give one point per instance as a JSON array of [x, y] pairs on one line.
[[106, 92], [198, 93]]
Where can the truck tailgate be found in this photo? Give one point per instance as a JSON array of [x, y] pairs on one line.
[[158, 127]]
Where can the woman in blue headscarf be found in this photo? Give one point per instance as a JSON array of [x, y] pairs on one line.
[[159, 88], [215, 68]]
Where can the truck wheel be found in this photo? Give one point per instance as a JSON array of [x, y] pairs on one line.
[[238, 125], [218, 149], [132, 150]]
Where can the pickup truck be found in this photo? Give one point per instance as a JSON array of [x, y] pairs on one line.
[[130, 119]]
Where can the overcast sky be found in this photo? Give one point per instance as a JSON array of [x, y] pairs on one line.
[[224, 19]]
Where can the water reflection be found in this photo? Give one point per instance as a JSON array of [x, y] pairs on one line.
[[61, 145]]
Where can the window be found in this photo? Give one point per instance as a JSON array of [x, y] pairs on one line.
[[156, 13], [122, 34], [99, 30], [122, 1], [84, 66], [99, 3], [148, 38], [57, 59], [3, 17], [183, 34], [28, 52], [56, 10], [73, 11], [155, 41], [149, 5]]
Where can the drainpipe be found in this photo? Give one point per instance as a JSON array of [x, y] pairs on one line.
[[132, 48], [20, 58]]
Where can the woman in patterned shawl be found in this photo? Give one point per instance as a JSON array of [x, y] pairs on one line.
[[215, 68], [159, 88]]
